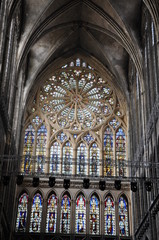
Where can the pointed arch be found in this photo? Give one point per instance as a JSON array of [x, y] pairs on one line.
[[80, 226], [65, 217], [82, 156], [67, 158], [94, 214], [41, 148], [123, 216], [94, 159], [109, 215], [22, 213], [120, 151], [29, 138], [36, 213], [51, 219], [108, 145], [54, 157]]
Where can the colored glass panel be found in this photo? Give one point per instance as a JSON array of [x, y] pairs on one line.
[[54, 157], [41, 149], [109, 216], [108, 152], [94, 159], [88, 138], [121, 151], [123, 217], [94, 215], [37, 121], [80, 214], [82, 159], [36, 214], [67, 158], [65, 214], [28, 149], [51, 214], [22, 213]]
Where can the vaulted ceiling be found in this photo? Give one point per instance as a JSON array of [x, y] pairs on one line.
[[108, 30]]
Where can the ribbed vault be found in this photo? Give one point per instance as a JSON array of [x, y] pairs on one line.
[[106, 30]]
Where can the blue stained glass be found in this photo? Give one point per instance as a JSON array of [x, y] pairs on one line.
[[123, 217], [121, 151], [94, 159], [28, 149], [88, 138], [108, 152], [65, 214], [41, 149], [36, 214], [94, 215], [82, 159], [54, 157], [80, 214], [62, 137], [22, 213], [109, 216], [67, 158], [51, 214]]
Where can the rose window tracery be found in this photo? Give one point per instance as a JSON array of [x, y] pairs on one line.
[[77, 98]]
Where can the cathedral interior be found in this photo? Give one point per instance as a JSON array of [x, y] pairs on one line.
[[79, 119]]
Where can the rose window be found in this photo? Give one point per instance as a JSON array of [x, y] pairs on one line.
[[77, 98]]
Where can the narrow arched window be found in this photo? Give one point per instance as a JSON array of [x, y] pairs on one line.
[[80, 214], [123, 216], [41, 149], [94, 215], [65, 214], [54, 158], [121, 151], [51, 214], [36, 214], [67, 158], [29, 139], [22, 213], [82, 159], [94, 160], [108, 152], [109, 216]]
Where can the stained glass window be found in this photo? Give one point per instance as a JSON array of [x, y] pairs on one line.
[[36, 214], [123, 216], [65, 214], [80, 214], [108, 152], [67, 158], [94, 159], [94, 215], [82, 159], [28, 149], [54, 157], [121, 151], [41, 149], [109, 216], [22, 213], [37, 121], [51, 214]]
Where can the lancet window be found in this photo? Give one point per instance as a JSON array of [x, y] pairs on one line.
[[109, 216], [36, 214], [22, 213], [94, 214], [123, 216], [81, 214], [65, 214], [51, 214]]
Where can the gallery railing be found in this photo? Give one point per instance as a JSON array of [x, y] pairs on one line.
[[69, 167]]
